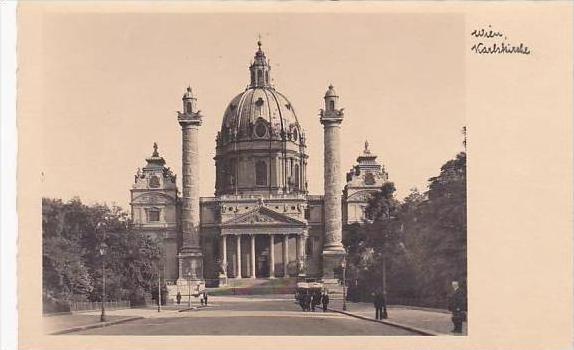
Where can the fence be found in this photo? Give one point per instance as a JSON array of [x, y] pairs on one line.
[[77, 306]]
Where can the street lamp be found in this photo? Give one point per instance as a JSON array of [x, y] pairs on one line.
[[103, 250], [344, 266], [158, 287]]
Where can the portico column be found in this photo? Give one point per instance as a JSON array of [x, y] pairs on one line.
[[224, 253], [238, 274], [252, 256], [271, 257], [301, 242], [285, 255]]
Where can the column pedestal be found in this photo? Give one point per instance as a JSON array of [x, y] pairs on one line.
[[332, 261], [190, 263]]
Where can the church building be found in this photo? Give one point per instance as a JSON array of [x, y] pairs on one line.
[[262, 222]]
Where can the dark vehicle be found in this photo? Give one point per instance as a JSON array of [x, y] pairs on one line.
[[308, 286]]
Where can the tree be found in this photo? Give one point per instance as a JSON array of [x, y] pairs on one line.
[[421, 240], [72, 233], [444, 230]]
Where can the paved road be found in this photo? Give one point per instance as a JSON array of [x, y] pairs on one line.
[[249, 316]]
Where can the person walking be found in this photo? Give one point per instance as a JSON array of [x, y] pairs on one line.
[[178, 298], [378, 303], [205, 297], [325, 300], [458, 306], [308, 301], [316, 300], [301, 299]]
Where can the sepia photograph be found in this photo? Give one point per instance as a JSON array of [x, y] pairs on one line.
[[246, 175], [269, 180]]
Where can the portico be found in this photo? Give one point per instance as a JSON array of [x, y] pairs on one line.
[[262, 255], [262, 244]]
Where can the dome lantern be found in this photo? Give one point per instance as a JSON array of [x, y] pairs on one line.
[[260, 69], [189, 101]]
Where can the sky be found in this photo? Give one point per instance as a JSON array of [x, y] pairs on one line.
[[113, 83]]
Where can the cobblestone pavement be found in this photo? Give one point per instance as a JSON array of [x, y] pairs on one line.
[[233, 315], [435, 321]]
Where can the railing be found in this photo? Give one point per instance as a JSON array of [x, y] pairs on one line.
[[78, 306]]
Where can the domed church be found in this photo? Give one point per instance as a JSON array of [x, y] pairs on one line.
[[262, 222]]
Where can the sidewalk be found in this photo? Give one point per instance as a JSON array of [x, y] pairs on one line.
[[67, 323], [423, 321]]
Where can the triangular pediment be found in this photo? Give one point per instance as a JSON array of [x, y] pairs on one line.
[[262, 216]]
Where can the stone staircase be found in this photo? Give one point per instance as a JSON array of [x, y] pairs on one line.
[[257, 286]]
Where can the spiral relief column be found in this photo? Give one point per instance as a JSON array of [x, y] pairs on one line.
[[333, 251], [190, 255]]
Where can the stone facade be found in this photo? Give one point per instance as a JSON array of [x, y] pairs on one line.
[[262, 222], [365, 178]]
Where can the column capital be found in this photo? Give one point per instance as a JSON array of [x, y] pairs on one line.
[[187, 120]]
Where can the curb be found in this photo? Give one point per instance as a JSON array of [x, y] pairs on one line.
[[391, 323], [95, 325], [194, 308]]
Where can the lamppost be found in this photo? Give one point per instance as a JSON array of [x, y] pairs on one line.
[[344, 266], [158, 286], [385, 315], [189, 289], [103, 249]]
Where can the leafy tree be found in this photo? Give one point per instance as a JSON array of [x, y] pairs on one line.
[[72, 235], [421, 240]]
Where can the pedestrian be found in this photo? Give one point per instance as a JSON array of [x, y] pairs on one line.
[[458, 306], [316, 300], [378, 303], [308, 301], [178, 298], [205, 297], [325, 300], [301, 299]]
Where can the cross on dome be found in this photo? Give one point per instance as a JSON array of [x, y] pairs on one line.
[[367, 151], [155, 152]]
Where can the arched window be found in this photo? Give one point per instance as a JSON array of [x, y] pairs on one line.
[[261, 173], [331, 105], [260, 77], [188, 107]]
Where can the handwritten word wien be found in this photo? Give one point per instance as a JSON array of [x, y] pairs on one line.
[[486, 46]]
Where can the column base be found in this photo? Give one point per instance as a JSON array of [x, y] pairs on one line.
[[190, 261], [332, 260], [222, 280]]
